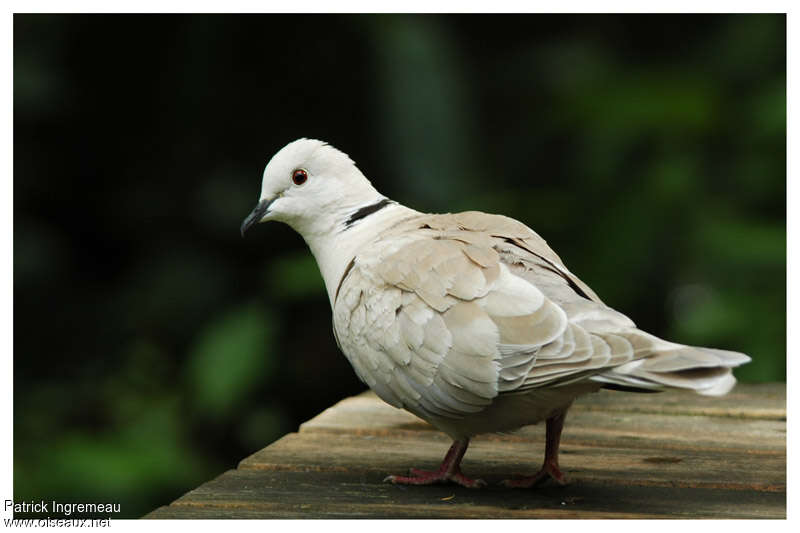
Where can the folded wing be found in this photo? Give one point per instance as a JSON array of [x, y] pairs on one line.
[[446, 312]]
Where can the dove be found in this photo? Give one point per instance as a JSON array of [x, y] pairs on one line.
[[470, 321]]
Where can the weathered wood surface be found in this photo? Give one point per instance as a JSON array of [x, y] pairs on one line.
[[668, 455]]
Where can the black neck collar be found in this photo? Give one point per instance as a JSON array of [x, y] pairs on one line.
[[366, 211]]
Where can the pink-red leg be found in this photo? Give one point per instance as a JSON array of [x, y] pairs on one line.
[[449, 471], [550, 468]]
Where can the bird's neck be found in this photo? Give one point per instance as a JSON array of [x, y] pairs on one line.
[[349, 233]]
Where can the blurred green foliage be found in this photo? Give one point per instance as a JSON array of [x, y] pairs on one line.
[[154, 348], [227, 361]]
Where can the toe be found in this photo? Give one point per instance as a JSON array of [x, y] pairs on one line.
[[467, 482], [541, 477]]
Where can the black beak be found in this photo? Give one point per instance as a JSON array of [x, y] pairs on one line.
[[256, 215]]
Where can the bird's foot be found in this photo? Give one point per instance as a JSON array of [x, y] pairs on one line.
[[431, 477], [549, 471]]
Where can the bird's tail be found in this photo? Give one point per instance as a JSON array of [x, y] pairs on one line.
[[661, 365]]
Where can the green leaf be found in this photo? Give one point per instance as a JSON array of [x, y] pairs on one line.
[[231, 357]]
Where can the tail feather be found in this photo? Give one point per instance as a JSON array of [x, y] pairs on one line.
[[707, 371], [723, 386]]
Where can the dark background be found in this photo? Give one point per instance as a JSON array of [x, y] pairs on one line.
[[154, 348]]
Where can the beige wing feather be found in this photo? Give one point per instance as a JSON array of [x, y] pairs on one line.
[[636, 359], [444, 313], [439, 325]]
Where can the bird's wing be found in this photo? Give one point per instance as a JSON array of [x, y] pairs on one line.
[[621, 355], [435, 322], [445, 312], [515, 241]]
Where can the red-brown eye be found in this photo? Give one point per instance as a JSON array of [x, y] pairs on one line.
[[299, 176]]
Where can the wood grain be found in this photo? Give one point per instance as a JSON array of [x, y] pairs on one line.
[[668, 455]]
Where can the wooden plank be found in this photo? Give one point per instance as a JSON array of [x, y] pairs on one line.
[[496, 458], [291, 494], [667, 455]]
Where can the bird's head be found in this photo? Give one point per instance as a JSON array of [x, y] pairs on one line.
[[311, 186]]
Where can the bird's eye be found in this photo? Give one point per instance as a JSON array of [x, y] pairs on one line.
[[299, 176]]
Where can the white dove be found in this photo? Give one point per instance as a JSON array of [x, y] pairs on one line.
[[469, 320]]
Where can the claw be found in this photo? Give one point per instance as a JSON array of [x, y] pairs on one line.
[[427, 477], [548, 472], [449, 471]]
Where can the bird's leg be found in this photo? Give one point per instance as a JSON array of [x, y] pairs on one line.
[[550, 468], [449, 470]]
